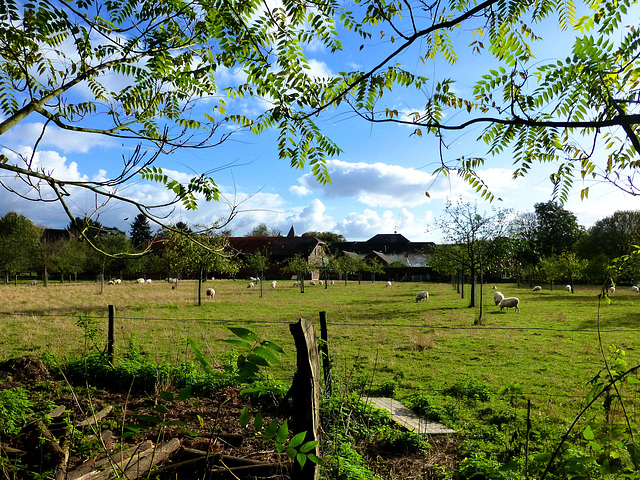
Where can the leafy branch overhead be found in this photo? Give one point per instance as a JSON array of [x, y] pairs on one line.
[[138, 70]]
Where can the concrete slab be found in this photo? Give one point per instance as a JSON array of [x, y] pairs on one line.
[[408, 418]]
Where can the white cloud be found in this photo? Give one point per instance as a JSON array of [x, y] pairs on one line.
[[311, 217], [319, 69], [299, 190], [24, 135], [374, 185]]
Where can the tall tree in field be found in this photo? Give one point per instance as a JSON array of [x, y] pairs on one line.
[[557, 229], [19, 244], [463, 225], [140, 233]]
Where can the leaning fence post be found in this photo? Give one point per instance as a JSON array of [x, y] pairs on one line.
[[324, 352], [305, 393], [110, 334]]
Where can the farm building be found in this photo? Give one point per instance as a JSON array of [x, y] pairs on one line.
[[279, 250], [401, 258]]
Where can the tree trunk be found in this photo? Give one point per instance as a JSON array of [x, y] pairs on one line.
[[200, 288], [45, 278]]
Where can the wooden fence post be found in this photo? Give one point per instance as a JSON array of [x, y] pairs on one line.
[[324, 351], [305, 392], [110, 334]]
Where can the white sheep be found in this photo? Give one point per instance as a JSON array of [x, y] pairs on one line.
[[508, 303], [498, 297], [111, 282], [388, 283], [296, 284], [423, 295], [211, 293], [250, 285], [635, 289], [612, 289], [140, 281], [117, 281], [312, 282], [494, 287], [320, 282], [537, 288], [568, 288], [33, 283], [333, 282], [148, 280], [274, 284]]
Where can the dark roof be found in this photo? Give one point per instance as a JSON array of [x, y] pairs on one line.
[[386, 238], [383, 243], [275, 246], [292, 232]]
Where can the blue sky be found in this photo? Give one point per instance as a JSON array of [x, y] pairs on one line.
[[378, 182]]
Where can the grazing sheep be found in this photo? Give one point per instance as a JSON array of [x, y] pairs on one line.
[[388, 283], [508, 303], [148, 280], [312, 282], [296, 284], [211, 293], [333, 282], [635, 289], [274, 284], [140, 281], [117, 281], [250, 284], [612, 289], [423, 295], [498, 297], [568, 288], [111, 282], [537, 288], [321, 282], [32, 283], [494, 287]]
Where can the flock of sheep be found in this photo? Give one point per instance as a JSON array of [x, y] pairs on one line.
[[499, 299]]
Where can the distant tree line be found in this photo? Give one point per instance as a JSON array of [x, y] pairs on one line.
[[546, 245]]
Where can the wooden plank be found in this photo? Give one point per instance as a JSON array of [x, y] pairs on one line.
[[408, 418]]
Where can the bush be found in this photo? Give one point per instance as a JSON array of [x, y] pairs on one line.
[[15, 408]]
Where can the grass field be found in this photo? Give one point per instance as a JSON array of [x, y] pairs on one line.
[[376, 333]]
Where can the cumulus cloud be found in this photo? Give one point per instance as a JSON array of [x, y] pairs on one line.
[[311, 217], [375, 185], [299, 190]]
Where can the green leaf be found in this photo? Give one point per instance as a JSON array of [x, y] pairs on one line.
[[148, 418], [297, 439], [185, 393], [266, 354], [244, 417], [271, 430], [291, 453], [314, 459], [239, 343], [283, 433], [244, 334], [258, 360], [543, 457], [301, 458], [161, 409], [307, 447], [166, 396], [588, 433], [271, 346], [196, 351]]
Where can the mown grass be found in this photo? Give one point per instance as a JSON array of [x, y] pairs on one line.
[[376, 334]]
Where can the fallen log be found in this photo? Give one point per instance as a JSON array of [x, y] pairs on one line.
[[95, 417], [100, 464]]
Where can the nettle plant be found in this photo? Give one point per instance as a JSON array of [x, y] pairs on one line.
[[257, 355]]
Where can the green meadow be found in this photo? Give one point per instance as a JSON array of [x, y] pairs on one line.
[[377, 334]]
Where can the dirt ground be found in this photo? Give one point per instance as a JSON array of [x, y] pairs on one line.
[[208, 424]]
